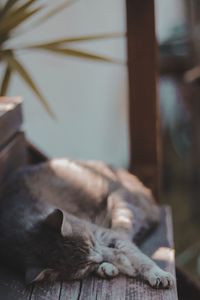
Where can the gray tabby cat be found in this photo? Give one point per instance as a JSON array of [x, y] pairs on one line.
[[64, 219]]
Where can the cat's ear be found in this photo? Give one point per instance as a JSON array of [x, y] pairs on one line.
[[66, 228], [36, 274], [57, 220]]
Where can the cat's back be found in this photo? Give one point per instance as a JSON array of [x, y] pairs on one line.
[[18, 207], [70, 185]]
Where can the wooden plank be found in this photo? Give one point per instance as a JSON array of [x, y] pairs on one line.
[[12, 156], [13, 287], [103, 289], [46, 291], [143, 104], [138, 290], [10, 118], [70, 290]]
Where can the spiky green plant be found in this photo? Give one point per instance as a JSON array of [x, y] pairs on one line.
[[13, 14]]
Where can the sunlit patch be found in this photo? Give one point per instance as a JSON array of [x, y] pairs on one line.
[[122, 221], [6, 105], [65, 163], [122, 218], [124, 212], [164, 254]]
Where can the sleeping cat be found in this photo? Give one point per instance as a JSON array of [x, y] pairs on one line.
[[64, 219]]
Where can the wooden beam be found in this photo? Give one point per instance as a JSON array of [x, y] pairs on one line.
[[143, 105]]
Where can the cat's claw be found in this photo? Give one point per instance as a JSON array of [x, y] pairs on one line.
[[160, 279], [106, 270]]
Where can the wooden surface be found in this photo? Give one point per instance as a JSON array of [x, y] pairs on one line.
[[12, 142], [12, 156], [143, 104], [10, 118], [121, 288]]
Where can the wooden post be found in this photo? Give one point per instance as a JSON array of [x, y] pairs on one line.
[[143, 117]]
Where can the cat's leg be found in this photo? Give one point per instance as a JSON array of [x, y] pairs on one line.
[[144, 266], [114, 262], [132, 214], [141, 194], [121, 216], [129, 259], [122, 221]]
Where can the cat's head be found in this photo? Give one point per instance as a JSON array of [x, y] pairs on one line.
[[59, 253]]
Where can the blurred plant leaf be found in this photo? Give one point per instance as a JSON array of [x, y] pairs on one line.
[[9, 4], [17, 66], [5, 81], [82, 38], [80, 54], [13, 14], [48, 15], [54, 11], [12, 22], [21, 9]]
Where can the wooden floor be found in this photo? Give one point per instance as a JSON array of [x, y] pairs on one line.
[[159, 244]]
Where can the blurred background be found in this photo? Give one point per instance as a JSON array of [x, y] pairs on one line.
[[88, 96]]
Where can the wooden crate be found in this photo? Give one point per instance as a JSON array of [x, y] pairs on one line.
[[10, 118], [13, 153]]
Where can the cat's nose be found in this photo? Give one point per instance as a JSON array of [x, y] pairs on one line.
[[96, 257]]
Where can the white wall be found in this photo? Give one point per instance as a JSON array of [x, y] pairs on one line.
[[88, 98]]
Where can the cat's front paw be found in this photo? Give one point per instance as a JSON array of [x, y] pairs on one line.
[[107, 270], [158, 278]]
